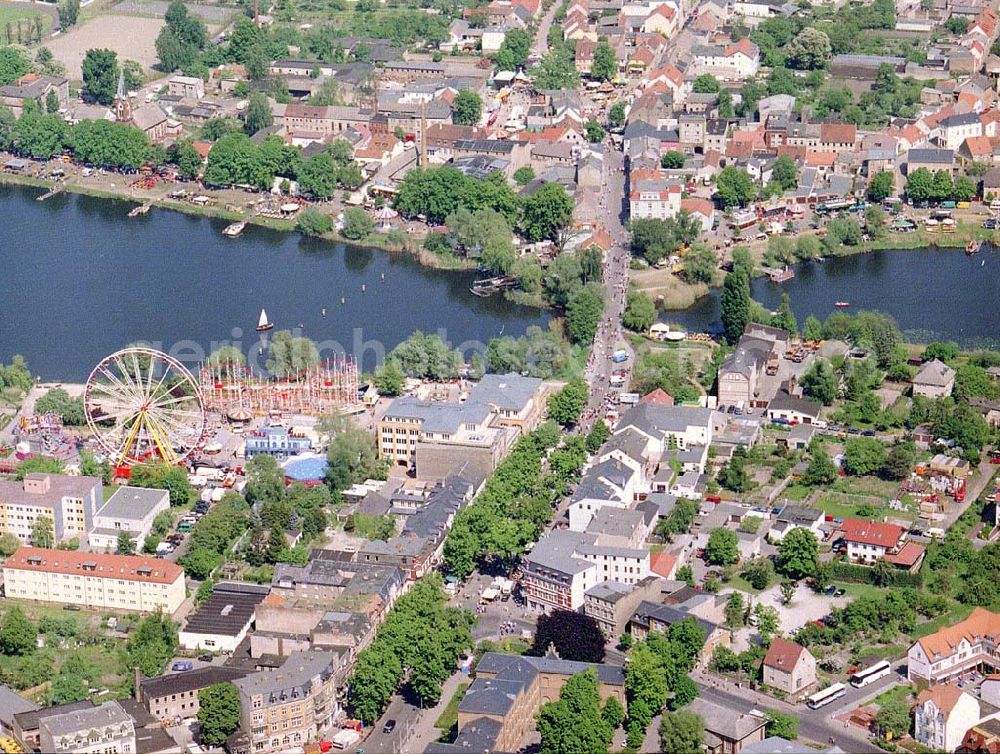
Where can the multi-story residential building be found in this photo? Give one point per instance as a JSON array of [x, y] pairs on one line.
[[612, 604], [130, 510], [658, 618], [955, 129], [870, 541], [67, 502], [321, 121], [609, 483], [735, 62], [971, 644], [115, 582], [728, 731], [789, 667], [671, 429], [934, 380], [175, 696], [742, 375], [289, 707], [654, 199], [104, 729], [500, 705], [191, 87], [943, 715]]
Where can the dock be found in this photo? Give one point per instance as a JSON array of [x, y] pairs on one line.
[[54, 191], [779, 275], [140, 210]]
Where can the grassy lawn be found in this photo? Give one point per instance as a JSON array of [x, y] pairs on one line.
[[856, 591], [797, 492], [901, 693], [449, 717], [11, 14]]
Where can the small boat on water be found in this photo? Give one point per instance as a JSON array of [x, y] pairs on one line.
[[842, 304], [142, 209], [263, 324], [233, 230], [973, 247]]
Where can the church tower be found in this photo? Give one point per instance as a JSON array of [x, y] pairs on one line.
[[123, 107]]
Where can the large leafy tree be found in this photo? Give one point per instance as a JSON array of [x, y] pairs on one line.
[[734, 188], [565, 406], [682, 732], [575, 722], [546, 213], [881, 186], [640, 311], [785, 173], [820, 382], [605, 64], [100, 76], [734, 304], [798, 554], [809, 50], [575, 636], [218, 712], [722, 547], [467, 107], [583, 313], [863, 455], [17, 633], [514, 50], [103, 142], [258, 114], [164, 476], [13, 64]]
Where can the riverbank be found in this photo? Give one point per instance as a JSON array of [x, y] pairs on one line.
[[411, 244]]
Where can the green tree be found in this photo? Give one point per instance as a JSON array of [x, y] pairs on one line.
[[258, 114], [682, 732], [700, 264], [734, 611], [218, 713], [821, 471], [863, 455], [616, 114], [57, 401], [312, 222], [787, 592], [920, 185], [151, 644], [351, 455], [524, 175], [722, 547], [556, 70], [467, 107], [389, 378], [605, 65], [583, 313], [820, 382], [69, 12], [43, 532], [597, 436], [782, 725], [114, 144], [809, 50], [734, 304], [546, 212], [672, 160], [881, 186], [785, 173], [358, 224], [13, 64], [164, 476], [640, 311], [964, 190], [893, 718], [17, 633], [9, 544], [900, 460], [514, 50], [126, 545], [575, 722], [100, 76], [565, 406], [812, 329], [798, 554], [768, 623], [706, 83], [734, 187], [594, 131]]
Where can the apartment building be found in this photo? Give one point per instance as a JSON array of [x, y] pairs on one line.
[[175, 696], [289, 707], [68, 502], [789, 667], [115, 582], [970, 644], [944, 714], [104, 729], [870, 541]]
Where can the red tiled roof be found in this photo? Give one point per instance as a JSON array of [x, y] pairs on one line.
[[871, 532], [944, 695], [980, 623], [979, 146], [820, 159], [838, 133], [698, 206], [744, 46], [908, 556], [659, 396], [126, 567], [783, 654], [662, 563]]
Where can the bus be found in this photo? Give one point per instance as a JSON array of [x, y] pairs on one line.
[[827, 695], [869, 675]]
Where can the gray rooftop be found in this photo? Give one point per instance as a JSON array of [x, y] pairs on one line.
[[294, 676], [508, 391], [133, 503], [724, 722], [656, 420], [68, 723]]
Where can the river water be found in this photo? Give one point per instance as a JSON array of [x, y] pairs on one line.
[[933, 293], [79, 280]]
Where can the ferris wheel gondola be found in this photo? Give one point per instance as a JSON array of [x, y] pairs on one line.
[[143, 405]]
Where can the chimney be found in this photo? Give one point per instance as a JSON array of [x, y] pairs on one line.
[[138, 684]]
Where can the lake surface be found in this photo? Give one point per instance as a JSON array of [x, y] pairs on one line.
[[79, 280], [933, 293]]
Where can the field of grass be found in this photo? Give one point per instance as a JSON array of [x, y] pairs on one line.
[[11, 13], [896, 692]]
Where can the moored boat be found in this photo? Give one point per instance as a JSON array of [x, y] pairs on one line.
[[842, 304], [263, 324], [233, 230]]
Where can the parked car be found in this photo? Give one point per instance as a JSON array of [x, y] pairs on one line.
[[207, 657], [389, 726], [182, 666], [840, 593], [831, 590], [868, 433]]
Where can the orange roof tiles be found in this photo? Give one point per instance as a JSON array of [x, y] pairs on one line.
[[662, 563], [658, 396], [838, 133], [783, 654], [126, 567], [980, 623], [945, 697], [979, 146], [744, 46], [820, 159], [871, 532]]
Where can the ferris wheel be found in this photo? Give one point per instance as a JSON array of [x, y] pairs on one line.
[[143, 405]]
